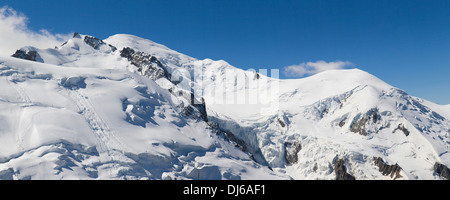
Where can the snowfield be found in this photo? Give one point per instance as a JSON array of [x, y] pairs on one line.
[[93, 109]]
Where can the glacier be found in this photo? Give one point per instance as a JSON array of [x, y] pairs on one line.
[[128, 108]]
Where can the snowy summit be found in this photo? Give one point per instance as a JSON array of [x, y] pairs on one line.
[[129, 108]]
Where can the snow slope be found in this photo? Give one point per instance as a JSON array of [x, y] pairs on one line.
[[96, 110], [350, 115], [77, 117]]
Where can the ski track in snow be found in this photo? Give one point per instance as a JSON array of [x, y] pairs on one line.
[[310, 114], [22, 94], [103, 132], [24, 99]]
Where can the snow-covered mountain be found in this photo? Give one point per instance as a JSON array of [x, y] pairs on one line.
[[129, 108]]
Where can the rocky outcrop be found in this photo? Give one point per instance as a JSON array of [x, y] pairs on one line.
[[360, 126], [196, 108], [342, 123], [281, 122], [194, 112], [148, 66], [256, 75], [341, 171], [402, 128], [291, 152], [388, 170], [197, 112], [442, 170], [95, 42], [76, 35], [360, 122], [230, 137], [202, 109], [375, 116], [27, 55]]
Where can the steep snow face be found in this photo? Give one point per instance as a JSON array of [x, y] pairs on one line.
[[167, 56], [443, 110], [365, 123], [205, 78], [79, 51], [344, 114], [350, 115], [127, 107], [84, 113]]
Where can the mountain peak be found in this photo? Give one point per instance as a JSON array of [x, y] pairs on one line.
[[77, 40], [167, 56], [76, 35], [123, 108]]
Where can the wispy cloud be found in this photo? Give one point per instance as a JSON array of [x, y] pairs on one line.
[[14, 33], [310, 68]]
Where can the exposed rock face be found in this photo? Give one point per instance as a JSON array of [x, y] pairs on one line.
[[202, 109], [127, 53], [341, 171], [386, 169], [199, 105], [229, 136], [148, 65], [76, 35], [95, 42], [360, 126], [30, 55], [372, 117], [197, 112], [442, 170], [403, 129], [291, 152], [282, 124], [256, 76], [315, 168], [342, 123]]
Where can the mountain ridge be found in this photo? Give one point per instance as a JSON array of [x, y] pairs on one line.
[[215, 127]]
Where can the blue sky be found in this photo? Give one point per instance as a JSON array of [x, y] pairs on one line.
[[404, 42]]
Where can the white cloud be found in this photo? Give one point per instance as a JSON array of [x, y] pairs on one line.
[[310, 68], [14, 33]]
